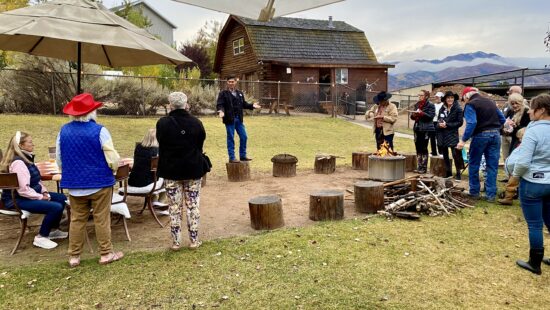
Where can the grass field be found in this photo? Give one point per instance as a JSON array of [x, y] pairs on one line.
[[460, 261], [300, 136]]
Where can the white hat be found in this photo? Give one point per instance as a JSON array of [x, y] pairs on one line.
[[439, 94]]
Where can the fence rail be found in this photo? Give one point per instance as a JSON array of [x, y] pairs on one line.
[[46, 92]]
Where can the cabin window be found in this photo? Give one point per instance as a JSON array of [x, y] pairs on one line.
[[342, 76], [238, 46]]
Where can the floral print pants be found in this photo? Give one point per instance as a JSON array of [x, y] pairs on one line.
[[183, 194]]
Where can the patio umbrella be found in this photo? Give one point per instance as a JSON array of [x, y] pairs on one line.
[[262, 10], [82, 31]]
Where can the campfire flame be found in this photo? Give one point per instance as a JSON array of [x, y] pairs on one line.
[[385, 150]]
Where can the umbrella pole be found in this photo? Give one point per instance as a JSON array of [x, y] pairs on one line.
[[79, 68]]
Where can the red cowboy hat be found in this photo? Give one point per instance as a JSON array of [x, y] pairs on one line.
[[81, 105]]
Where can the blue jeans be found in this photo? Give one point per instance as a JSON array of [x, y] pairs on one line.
[[241, 131], [485, 143], [534, 199], [53, 210]]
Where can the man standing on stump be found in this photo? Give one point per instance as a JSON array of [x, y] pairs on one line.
[[230, 105]]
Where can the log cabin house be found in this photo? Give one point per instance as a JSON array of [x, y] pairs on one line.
[[297, 50]]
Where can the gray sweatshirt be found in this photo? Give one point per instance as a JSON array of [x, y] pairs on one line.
[[533, 163]]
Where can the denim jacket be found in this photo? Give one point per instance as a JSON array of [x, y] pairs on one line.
[[533, 163]]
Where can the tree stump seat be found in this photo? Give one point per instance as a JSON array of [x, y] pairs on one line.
[[266, 212], [410, 162], [437, 165], [284, 165], [326, 205], [369, 196], [360, 160], [325, 164], [238, 172]]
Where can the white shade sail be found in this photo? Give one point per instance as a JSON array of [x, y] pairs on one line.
[[262, 10]]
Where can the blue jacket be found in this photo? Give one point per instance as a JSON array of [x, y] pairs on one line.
[[533, 163]]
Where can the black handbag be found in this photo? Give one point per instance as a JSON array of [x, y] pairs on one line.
[[206, 162]]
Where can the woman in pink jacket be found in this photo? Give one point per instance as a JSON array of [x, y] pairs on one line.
[[32, 195]]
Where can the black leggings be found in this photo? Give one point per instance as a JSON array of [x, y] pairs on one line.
[[421, 140]]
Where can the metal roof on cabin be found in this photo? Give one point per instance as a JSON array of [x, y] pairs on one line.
[[308, 41]]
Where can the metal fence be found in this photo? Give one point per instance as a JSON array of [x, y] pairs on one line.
[[46, 92]]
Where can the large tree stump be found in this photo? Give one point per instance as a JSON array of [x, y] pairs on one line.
[[266, 212], [284, 165], [437, 165], [360, 160], [326, 205], [369, 196], [325, 164], [410, 162], [238, 172]]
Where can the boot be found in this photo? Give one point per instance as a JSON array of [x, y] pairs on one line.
[[423, 163], [511, 189], [458, 177], [535, 258], [418, 163]]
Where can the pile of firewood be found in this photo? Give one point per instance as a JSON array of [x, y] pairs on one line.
[[429, 195]]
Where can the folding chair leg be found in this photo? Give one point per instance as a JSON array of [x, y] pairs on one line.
[[23, 223], [144, 206], [126, 227], [150, 205]]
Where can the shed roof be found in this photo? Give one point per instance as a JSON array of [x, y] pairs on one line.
[[298, 41]]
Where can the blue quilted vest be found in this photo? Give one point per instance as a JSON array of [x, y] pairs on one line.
[[83, 160], [34, 183]]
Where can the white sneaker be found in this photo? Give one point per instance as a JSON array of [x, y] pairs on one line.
[[162, 212], [159, 204], [43, 242], [58, 234]]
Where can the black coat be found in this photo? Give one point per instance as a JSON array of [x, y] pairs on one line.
[[453, 117], [426, 121], [141, 174], [181, 137], [232, 106]]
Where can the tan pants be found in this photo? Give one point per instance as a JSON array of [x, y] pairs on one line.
[[100, 202]]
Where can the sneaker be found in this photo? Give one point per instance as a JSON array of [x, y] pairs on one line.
[[162, 212], [58, 234], [43, 242], [490, 199], [195, 245], [158, 204]]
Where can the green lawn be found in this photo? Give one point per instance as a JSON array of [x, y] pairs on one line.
[[460, 261], [300, 136]]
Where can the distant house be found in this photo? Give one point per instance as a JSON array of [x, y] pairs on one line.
[[298, 50], [161, 26]]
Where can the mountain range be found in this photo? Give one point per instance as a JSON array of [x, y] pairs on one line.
[[423, 71]]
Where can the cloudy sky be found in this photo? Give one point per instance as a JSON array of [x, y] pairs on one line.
[[407, 30]]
